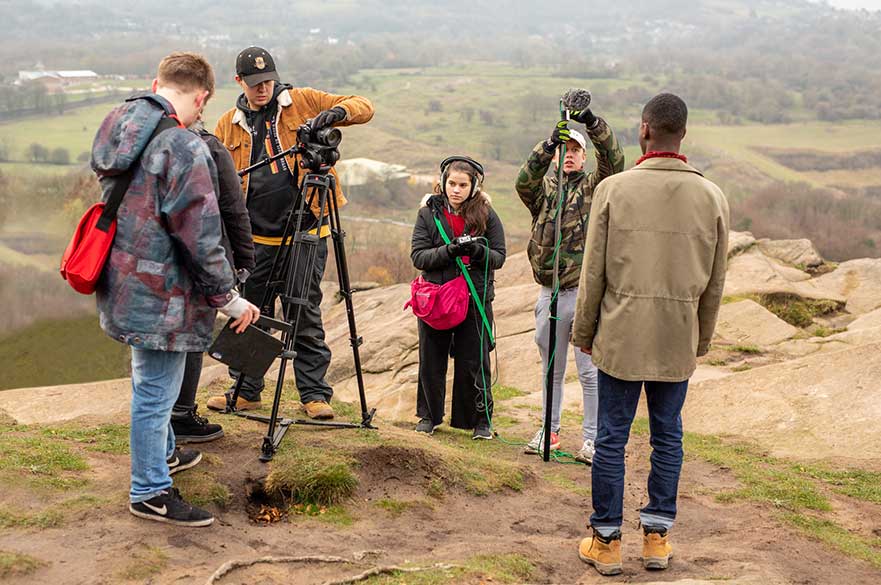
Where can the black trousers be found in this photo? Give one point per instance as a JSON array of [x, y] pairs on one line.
[[472, 394], [186, 400], [313, 354]]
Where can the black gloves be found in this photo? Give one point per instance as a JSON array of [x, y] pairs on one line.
[[584, 116], [328, 118], [558, 136], [477, 251], [455, 249]]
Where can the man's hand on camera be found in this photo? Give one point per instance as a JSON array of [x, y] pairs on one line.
[[584, 116], [558, 136], [328, 118], [242, 311]]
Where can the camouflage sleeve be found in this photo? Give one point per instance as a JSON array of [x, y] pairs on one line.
[[610, 157], [190, 210], [530, 179]]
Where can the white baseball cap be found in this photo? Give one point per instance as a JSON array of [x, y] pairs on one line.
[[579, 138]]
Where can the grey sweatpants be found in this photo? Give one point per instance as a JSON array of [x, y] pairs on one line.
[[587, 372]]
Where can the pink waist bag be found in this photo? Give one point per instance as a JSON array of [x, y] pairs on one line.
[[440, 306]]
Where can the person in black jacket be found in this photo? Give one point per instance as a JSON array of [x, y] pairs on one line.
[[188, 426], [462, 208]]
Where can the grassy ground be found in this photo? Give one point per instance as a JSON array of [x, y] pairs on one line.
[[71, 468]]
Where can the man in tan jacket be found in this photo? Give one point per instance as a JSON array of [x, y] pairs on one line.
[[264, 123], [649, 295]]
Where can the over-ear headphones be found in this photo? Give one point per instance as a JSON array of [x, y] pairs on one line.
[[444, 168]]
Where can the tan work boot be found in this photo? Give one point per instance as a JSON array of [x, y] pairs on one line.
[[656, 551], [603, 553], [318, 410], [219, 403]]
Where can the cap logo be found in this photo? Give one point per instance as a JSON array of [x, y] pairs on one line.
[[260, 63]]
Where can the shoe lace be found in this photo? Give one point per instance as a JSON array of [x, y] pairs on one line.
[[200, 420]]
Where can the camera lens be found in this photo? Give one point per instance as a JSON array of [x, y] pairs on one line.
[[329, 137]]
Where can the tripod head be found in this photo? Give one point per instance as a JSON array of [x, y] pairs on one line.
[[318, 150]]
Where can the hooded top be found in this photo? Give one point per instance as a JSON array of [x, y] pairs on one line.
[[167, 270]]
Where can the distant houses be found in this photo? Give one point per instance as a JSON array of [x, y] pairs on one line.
[[56, 81]]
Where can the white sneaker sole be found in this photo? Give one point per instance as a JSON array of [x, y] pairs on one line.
[[193, 463]]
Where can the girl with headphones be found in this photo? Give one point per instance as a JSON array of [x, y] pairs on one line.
[[458, 207]]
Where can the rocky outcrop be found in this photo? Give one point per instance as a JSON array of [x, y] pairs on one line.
[[858, 282], [799, 253], [823, 405], [748, 323], [752, 272], [739, 242]]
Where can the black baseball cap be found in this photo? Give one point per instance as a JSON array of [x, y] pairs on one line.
[[255, 65]]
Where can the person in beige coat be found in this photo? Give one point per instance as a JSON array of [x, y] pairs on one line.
[[648, 299]]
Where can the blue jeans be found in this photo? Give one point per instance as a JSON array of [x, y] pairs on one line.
[[617, 407], [156, 380]]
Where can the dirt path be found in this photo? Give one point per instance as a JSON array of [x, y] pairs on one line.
[[542, 522]]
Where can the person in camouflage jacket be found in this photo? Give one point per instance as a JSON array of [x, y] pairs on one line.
[[538, 191]]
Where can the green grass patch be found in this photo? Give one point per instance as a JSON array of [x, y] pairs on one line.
[[304, 474], [39, 462], [200, 487], [717, 362], [436, 489], [392, 506], [50, 517], [791, 308], [511, 568], [145, 563], [821, 331], [742, 368], [745, 348], [763, 478], [480, 467], [796, 310], [504, 422], [501, 393], [832, 534], [108, 438], [855, 483], [567, 484], [17, 565]]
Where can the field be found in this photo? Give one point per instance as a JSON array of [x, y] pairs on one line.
[[496, 113]]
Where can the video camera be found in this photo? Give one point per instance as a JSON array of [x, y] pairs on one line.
[[318, 148]]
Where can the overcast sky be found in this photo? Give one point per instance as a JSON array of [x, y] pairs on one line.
[[870, 4]]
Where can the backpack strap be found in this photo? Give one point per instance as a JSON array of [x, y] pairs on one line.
[[467, 276], [124, 180]]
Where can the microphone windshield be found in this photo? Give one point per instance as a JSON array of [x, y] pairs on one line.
[[576, 99]]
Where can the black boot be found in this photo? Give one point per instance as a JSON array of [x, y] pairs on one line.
[[189, 427]]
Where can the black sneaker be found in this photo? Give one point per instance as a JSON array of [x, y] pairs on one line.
[[170, 507], [482, 431], [189, 427], [425, 426], [182, 459]]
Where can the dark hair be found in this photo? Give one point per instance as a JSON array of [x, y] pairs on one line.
[[475, 209], [666, 114]]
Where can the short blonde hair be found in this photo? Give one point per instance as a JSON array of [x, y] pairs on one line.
[[186, 71]]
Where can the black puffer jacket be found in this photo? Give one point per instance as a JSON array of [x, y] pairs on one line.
[[236, 223], [429, 252]]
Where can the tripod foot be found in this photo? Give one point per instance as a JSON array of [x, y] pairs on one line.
[[367, 419]]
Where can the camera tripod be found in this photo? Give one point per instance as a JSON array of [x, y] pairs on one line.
[[291, 276]]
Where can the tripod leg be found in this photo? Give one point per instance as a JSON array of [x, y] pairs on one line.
[[339, 252]]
